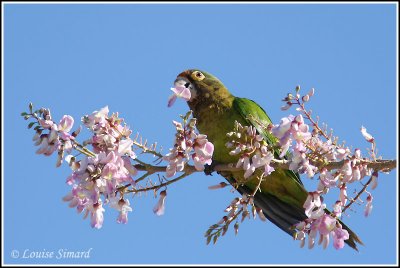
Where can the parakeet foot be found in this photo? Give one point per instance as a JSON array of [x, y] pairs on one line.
[[209, 169]]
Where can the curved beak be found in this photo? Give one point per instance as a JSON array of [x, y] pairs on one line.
[[185, 74]]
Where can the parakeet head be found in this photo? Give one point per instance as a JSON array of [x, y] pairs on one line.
[[204, 87]]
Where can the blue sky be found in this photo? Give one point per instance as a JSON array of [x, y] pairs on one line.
[[76, 59]]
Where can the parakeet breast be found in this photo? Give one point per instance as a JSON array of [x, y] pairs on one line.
[[216, 120]]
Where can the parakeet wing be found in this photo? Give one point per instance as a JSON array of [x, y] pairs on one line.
[[255, 115]]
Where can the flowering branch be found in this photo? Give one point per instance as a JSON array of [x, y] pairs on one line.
[[105, 173], [111, 169], [311, 155]]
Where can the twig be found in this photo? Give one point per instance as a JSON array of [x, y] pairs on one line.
[[358, 195], [185, 174]]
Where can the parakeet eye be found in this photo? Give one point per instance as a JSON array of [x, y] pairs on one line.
[[198, 76]]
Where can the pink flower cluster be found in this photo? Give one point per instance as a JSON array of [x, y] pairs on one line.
[[188, 145], [319, 221], [58, 137], [109, 133], [96, 179], [252, 149], [293, 128], [326, 226]]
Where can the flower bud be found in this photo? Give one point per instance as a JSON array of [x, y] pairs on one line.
[[287, 106], [374, 180], [305, 98], [218, 186], [236, 227]]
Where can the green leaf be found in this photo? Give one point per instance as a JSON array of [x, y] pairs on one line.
[[23, 113], [31, 124], [224, 229], [207, 233], [213, 226], [208, 240], [30, 107], [215, 239]]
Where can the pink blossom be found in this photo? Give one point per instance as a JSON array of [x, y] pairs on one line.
[[170, 170], [313, 205], [131, 169], [71, 179], [261, 214], [341, 153], [187, 141], [343, 194], [374, 180], [249, 171], [357, 153], [47, 146], [300, 131], [97, 119], [123, 206], [268, 170], [366, 135], [326, 179], [160, 206], [283, 127], [46, 124], [96, 215], [179, 92], [285, 147], [337, 209], [125, 148], [368, 206], [326, 224], [176, 164], [263, 159], [74, 197], [347, 171], [66, 123], [241, 162], [205, 151], [339, 235], [365, 170], [287, 106], [203, 155], [109, 171], [356, 175], [312, 235]]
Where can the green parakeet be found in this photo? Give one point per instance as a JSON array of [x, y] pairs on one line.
[[282, 194]]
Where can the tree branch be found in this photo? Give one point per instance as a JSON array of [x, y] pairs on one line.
[[384, 165]]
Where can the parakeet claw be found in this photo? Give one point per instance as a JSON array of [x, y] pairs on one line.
[[209, 169]]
